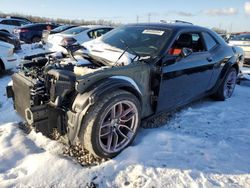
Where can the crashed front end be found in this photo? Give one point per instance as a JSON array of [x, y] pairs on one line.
[[41, 100], [55, 98]]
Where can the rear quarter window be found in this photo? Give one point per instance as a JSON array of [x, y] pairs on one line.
[[209, 41]]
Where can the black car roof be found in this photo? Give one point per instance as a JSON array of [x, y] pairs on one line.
[[174, 26], [181, 26], [36, 25]]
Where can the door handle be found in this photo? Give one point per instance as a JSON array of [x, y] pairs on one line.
[[209, 59]]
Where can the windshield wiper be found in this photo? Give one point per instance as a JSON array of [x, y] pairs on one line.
[[126, 49]]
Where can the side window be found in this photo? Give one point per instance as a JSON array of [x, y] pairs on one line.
[[190, 40], [209, 40], [98, 32], [92, 34], [6, 22], [2, 22], [16, 23], [20, 23]]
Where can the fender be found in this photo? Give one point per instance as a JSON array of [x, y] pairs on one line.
[[232, 62], [83, 101]]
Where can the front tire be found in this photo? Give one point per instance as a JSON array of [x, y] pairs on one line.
[[226, 88], [111, 124]]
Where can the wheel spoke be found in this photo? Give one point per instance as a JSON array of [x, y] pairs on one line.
[[106, 124], [126, 127], [110, 139], [121, 133], [113, 112], [105, 129], [116, 138], [127, 118], [126, 112], [119, 110], [105, 132]]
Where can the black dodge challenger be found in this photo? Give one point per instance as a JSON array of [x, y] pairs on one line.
[[139, 71]]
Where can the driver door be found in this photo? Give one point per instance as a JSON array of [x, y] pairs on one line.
[[184, 79]]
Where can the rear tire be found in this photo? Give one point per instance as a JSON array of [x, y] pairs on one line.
[[111, 124], [226, 88]]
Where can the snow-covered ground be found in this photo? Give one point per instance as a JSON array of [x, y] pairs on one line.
[[205, 145]]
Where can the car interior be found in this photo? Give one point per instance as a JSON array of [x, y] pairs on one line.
[[98, 32], [192, 41]]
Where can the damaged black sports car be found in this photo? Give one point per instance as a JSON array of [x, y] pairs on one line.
[[127, 76]]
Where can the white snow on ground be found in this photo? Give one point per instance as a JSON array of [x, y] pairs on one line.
[[205, 145]]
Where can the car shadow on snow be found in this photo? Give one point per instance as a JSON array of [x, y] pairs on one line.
[[208, 136], [245, 83]]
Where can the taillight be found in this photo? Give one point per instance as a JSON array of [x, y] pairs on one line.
[[23, 30]]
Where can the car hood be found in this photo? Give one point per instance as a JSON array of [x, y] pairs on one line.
[[111, 54]]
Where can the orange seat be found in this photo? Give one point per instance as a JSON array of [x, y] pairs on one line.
[[174, 51]]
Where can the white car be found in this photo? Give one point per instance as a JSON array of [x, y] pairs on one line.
[[8, 59], [243, 41], [78, 35], [9, 24]]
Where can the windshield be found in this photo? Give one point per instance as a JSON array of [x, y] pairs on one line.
[[75, 30], [243, 37], [145, 41], [61, 28]]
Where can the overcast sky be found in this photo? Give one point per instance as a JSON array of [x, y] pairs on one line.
[[225, 14]]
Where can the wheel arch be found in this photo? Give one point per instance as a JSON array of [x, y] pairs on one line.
[[224, 72], [84, 101], [120, 82]]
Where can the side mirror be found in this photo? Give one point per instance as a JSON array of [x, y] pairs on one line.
[[186, 52]]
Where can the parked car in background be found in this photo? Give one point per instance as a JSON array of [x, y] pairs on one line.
[[19, 18], [10, 38], [9, 24], [59, 29], [78, 34], [8, 59], [132, 73], [33, 32], [243, 41]]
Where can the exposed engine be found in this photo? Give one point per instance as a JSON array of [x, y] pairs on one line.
[[44, 89]]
